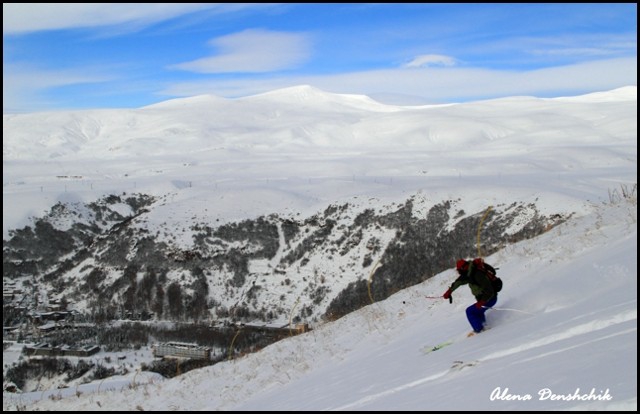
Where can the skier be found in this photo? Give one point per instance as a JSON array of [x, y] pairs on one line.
[[481, 278]]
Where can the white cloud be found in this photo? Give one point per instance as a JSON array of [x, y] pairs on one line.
[[23, 86], [582, 51], [438, 84], [587, 45], [431, 60], [253, 50], [31, 17]]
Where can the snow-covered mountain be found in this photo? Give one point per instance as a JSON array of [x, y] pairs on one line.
[[303, 149], [301, 199], [318, 175], [307, 119], [563, 336]]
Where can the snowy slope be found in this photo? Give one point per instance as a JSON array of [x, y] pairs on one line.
[[565, 324]]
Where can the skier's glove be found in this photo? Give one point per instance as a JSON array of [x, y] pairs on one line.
[[480, 304], [447, 295]]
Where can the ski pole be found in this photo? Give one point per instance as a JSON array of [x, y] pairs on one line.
[[507, 309], [440, 297]]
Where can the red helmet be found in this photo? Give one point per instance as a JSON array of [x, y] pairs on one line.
[[461, 264]]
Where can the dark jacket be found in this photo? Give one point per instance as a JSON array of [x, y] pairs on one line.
[[481, 286]]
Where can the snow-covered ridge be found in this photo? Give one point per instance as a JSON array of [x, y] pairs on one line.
[[627, 93], [314, 97], [206, 99], [300, 118]]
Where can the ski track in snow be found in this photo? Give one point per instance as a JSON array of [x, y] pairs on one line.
[[574, 331]]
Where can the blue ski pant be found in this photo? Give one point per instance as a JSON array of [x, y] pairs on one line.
[[476, 316]]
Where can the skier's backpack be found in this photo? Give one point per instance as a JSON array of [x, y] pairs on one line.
[[490, 271]]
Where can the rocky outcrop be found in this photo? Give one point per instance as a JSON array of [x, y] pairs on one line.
[[105, 259]]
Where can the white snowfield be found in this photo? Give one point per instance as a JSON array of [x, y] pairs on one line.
[[563, 335]]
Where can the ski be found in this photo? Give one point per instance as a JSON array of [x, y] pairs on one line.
[[432, 348], [474, 333]]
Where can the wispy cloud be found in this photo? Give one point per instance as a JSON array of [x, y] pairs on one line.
[[253, 50], [570, 46], [25, 87], [575, 46], [579, 51], [28, 17], [437, 84], [423, 61]]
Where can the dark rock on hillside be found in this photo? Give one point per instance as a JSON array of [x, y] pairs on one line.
[[105, 256]]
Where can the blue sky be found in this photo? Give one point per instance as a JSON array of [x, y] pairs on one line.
[[81, 56]]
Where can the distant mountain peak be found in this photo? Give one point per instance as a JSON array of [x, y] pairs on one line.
[[303, 92], [189, 100], [625, 93], [308, 94]]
